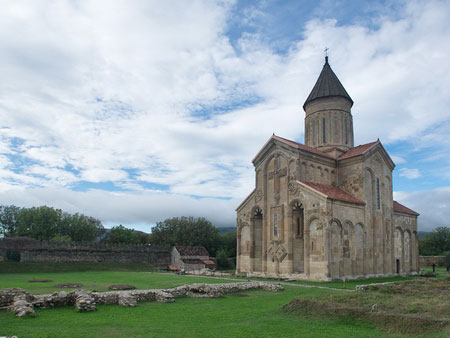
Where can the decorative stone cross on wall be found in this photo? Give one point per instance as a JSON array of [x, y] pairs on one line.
[[276, 176]]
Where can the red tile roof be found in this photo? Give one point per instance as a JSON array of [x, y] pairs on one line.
[[401, 208], [208, 262], [352, 152], [359, 150], [332, 192], [192, 250]]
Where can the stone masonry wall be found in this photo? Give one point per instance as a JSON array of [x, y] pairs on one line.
[[427, 261], [43, 251]]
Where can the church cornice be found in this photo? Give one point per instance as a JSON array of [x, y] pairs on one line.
[[313, 154]]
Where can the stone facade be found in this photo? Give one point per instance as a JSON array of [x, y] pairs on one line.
[[324, 210], [42, 251]]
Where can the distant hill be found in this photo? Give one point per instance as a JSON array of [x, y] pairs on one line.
[[226, 229], [421, 234]]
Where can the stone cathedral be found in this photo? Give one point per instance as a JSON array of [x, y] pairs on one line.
[[324, 210]]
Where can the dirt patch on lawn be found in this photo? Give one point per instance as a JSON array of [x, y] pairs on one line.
[[68, 285], [40, 280], [412, 307], [121, 287]]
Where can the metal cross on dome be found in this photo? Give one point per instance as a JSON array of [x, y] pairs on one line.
[[326, 51]]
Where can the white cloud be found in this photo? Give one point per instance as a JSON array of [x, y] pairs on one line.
[[409, 173], [141, 209], [95, 90], [397, 159], [432, 205]]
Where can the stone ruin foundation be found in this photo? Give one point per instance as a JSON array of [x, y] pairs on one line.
[[22, 303]]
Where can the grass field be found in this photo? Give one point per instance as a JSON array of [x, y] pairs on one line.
[[26, 267], [257, 314]]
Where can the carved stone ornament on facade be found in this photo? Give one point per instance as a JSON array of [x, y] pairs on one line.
[[277, 250], [243, 224], [293, 188], [276, 196], [258, 195], [277, 173]]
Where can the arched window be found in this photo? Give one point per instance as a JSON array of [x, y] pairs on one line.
[[378, 194], [275, 225], [297, 218], [314, 133], [324, 129], [346, 131]]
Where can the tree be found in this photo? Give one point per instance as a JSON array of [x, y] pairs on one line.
[[83, 228], [142, 237], [8, 219], [187, 231], [120, 234], [222, 259], [38, 222], [47, 223], [436, 242], [228, 243]]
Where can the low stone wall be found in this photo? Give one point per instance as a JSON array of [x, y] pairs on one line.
[[22, 303], [42, 251], [427, 261]]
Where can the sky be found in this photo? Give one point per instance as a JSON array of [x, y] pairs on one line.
[[137, 111]]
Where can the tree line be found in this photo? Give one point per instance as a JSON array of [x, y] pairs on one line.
[[47, 223], [435, 243]]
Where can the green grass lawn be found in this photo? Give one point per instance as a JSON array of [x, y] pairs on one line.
[[441, 272], [257, 315], [25, 267], [98, 280]]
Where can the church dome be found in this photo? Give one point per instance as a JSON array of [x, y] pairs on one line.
[[327, 85]]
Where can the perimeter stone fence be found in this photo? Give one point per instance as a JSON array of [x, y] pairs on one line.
[[22, 303], [427, 261], [25, 249]]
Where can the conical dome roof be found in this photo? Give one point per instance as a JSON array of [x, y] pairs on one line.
[[327, 85]]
